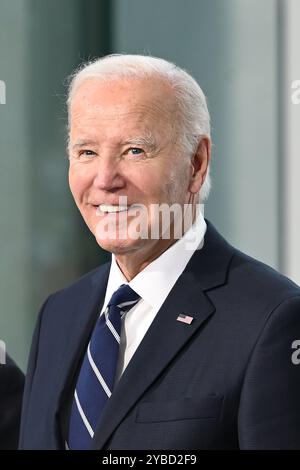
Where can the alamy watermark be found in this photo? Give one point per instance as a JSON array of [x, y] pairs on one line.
[[295, 97], [296, 354], [2, 92], [123, 221], [2, 352]]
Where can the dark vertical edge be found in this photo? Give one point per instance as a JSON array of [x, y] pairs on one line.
[[95, 28]]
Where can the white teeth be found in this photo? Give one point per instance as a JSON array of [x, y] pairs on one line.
[[109, 208]]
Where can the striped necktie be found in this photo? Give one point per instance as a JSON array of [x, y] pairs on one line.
[[97, 374]]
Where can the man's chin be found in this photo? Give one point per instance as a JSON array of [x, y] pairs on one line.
[[117, 246]]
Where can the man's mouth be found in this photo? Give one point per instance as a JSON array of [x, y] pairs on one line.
[[113, 209]]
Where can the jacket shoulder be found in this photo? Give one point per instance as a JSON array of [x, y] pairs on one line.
[[261, 275]]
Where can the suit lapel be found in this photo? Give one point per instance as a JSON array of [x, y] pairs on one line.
[[167, 336]]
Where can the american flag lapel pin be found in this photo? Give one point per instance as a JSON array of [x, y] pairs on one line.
[[185, 318]]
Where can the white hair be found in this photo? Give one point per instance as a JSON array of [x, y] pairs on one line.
[[190, 99]]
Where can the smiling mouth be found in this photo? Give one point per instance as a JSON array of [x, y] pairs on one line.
[[113, 209]]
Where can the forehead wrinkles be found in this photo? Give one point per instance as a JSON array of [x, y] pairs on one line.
[[144, 104], [114, 111], [141, 117], [150, 92]]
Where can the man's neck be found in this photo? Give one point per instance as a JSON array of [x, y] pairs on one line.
[[135, 261]]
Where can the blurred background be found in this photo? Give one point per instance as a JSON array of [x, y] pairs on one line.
[[245, 55]]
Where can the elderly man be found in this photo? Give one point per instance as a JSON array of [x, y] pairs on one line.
[[181, 341]]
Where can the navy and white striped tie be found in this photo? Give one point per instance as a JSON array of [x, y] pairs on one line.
[[97, 374]]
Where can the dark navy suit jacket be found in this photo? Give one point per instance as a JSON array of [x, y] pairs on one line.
[[11, 391], [226, 381]]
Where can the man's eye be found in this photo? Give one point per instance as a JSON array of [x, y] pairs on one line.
[[135, 151], [86, 153]]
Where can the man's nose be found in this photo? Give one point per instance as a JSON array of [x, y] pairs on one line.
[[108, 177]]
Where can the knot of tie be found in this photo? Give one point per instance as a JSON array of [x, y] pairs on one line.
[[124, 298]]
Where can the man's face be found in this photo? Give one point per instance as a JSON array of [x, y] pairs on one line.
[[124, 142]]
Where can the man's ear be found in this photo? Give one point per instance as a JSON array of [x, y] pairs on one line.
[[199, 164]]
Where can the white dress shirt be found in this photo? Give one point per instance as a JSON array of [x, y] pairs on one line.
[[153, 285]]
